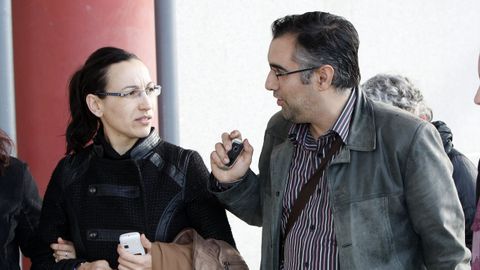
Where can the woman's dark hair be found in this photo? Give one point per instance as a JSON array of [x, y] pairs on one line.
[[89, 79], [323, 38], [6, 145]]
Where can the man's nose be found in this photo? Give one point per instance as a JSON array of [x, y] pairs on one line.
[[271, 83]]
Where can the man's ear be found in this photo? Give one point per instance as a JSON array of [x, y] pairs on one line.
[[324, 76], [95, 105]]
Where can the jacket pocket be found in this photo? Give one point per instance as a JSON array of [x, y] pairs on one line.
[[365, 238]]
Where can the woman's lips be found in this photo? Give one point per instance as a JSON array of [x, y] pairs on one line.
[[145, 120]]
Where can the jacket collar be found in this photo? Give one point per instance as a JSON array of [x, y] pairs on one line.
[[362, 130], [362, 136], [138, 151], [144, 147]]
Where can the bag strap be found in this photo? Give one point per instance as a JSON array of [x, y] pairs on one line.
[[309, 188]]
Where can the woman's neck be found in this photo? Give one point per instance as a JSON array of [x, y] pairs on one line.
[[121, 145]]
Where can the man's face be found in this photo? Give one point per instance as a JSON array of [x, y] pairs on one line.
[[477, 96], [292, 95]]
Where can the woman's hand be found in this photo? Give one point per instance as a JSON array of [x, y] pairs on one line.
[[63, 249], [128, 261]]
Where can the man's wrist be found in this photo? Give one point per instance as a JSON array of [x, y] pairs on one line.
[[225, 186]]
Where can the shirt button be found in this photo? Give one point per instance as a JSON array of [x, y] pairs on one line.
[[277, 193], [92, 235], [312, 227], [306, 264], [92, 189]]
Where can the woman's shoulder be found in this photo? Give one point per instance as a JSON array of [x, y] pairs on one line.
[[170, 151], [179, 157], [77, 157], [71, 163], [16, 164], [13, 179], [15, 169]]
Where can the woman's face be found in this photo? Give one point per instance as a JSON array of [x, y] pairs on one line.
[[126, 119], [477, 96]]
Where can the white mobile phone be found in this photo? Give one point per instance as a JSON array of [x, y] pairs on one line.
[[131, 242]]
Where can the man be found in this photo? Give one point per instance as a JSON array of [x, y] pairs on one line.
[[400, 92], [385, 201]]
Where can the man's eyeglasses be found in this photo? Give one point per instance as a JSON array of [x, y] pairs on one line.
[[285, 73], [150, 91]]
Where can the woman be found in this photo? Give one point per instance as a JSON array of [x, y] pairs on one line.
[[19, 208], [119, 176]]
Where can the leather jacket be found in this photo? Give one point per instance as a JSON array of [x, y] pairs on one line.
[[464, 176], [392, 195], [20, 211]]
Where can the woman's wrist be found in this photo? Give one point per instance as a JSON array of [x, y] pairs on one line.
[[79, 266]]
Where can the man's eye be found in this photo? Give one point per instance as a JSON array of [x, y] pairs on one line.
[[277, 71]]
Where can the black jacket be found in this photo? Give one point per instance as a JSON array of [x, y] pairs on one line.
[[464, 175], [156, 188], [20, 212]]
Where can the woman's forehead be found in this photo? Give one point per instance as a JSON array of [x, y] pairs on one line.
[[127, 73]]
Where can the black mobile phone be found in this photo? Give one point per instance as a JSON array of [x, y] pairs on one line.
[[237, 148]]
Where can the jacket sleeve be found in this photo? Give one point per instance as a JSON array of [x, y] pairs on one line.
[[464, 175], [205, 213], [29, 215], [242, 199], [245, 199], [53, 224], [433, 202]]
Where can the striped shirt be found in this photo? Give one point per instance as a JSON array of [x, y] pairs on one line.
[[311, 243]]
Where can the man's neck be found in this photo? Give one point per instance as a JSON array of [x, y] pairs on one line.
[[325, 120]]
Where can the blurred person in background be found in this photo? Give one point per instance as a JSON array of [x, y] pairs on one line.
[[19, 209]]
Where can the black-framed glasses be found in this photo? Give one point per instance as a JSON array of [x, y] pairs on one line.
[[153, 90], [285, 73]]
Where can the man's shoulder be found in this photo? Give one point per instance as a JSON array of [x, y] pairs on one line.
[[393, 117]]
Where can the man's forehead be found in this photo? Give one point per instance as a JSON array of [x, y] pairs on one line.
[[281, 50]]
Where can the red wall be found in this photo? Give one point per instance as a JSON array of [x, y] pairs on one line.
[[51, 39]]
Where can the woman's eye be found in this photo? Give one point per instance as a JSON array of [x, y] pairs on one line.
[[133, 92], [150, 90]]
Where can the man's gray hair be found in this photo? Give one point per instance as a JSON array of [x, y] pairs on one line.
[[398, 91]]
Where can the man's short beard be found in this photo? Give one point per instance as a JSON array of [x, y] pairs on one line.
[[290, 115]]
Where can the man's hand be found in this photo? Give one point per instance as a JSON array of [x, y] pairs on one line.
[[128, 261], [219, 159]]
